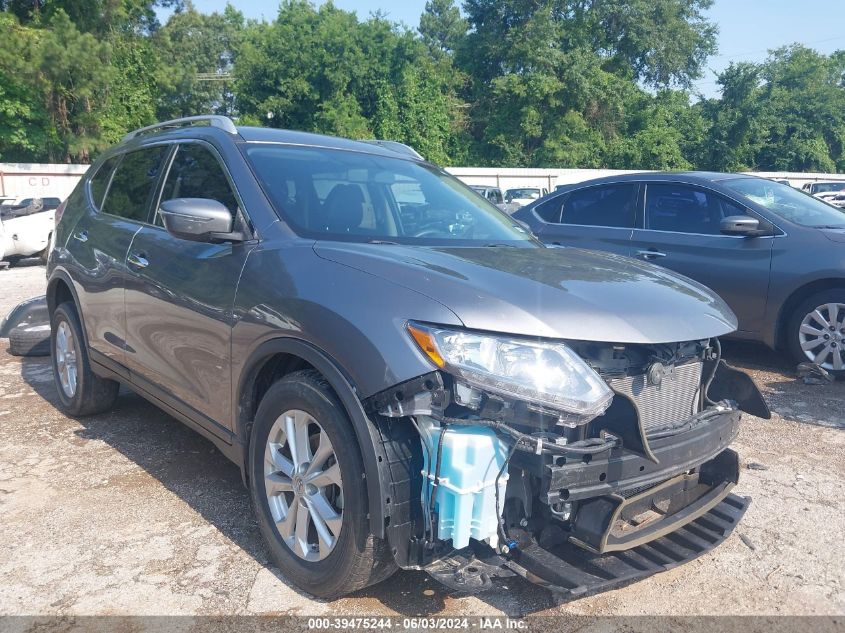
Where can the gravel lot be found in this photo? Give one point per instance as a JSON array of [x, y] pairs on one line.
[[132, 513]]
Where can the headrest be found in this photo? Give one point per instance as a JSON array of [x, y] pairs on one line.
[[344, 208]]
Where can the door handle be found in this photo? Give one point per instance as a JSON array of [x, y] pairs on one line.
[[651, 254], [82, 236], [138, 260]]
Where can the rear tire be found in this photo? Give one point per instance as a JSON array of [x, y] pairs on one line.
[[349, 557], [81, 391], [816, 331]]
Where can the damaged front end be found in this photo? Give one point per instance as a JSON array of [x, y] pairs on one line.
[[578, 466]]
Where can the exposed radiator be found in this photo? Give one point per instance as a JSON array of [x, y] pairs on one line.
[[670, 401]]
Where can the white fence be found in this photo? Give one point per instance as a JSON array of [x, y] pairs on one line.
[[32, 179]]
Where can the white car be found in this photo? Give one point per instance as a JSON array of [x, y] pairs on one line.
[[520, 196], [26, 227], [825, 190]]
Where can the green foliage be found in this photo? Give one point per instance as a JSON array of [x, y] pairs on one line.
[[196, 54], [441, 26], [546, 83]]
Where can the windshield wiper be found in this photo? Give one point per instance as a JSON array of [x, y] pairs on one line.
[[831, 226], [382, 242], [498, 245]]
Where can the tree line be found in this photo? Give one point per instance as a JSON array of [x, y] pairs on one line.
[[515, 83]]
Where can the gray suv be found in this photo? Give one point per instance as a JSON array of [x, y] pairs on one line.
[[406, 378]]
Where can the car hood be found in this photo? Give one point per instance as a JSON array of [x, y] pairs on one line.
[[563, 293]]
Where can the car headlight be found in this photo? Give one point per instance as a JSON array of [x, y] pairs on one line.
[[548, 374]]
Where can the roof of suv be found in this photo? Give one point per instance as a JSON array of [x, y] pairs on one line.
[[223, 127]]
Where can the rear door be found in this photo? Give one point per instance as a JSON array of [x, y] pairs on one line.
[[180, 296], [600, 217], [118, 202], [680, 230]]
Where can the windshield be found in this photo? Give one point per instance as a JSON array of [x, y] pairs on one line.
[[532, 194], [352, 196], [824, 187], [788, 203]]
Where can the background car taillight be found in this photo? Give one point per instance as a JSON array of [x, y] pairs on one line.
[[59, 211]]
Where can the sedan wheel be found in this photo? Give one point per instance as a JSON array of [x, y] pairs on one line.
[[822, 336], [303, 485]]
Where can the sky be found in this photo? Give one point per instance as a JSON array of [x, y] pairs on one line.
[[747, 28]]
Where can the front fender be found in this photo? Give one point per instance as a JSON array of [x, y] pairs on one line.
[[364, 431]]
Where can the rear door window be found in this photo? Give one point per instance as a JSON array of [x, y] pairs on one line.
[[196, 173], [680, 208], [607, 205], [134, 182]]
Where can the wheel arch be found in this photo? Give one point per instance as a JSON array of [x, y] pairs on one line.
[[280, 356], [60, 289], [794, 299]]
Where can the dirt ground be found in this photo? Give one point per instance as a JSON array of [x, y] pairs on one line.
[[132, 513]]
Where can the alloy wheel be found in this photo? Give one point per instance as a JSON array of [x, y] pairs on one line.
[[303, 485], [822, 336], [66, 359]]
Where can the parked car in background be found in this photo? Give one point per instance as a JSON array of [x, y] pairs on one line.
[[26, 225], [405, 376], [774, 254], [23, 205], [824, 190], [521, 196], [493, 194]]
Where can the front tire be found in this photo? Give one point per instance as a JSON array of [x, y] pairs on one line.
[[81, 391], [308, 491], [816, 331]]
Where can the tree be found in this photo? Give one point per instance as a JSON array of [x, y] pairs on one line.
[[555, 80], [441, 26], [738, 126], [197, 53], [23, 118], [322, 70], [551, 83], [805, 103]]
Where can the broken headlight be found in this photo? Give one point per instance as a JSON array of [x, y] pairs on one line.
[[547, 374]]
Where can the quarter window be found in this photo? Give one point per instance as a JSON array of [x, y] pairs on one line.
[[550, 210], [133, 184], [683, 209], [100, 181], [196, 173], [610, 205]]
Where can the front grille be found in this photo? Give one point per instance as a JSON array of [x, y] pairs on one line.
[[664, 404]]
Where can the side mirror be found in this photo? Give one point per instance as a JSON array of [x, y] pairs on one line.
[[740, 225], [198, 220]]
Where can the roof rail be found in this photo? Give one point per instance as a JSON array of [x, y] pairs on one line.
[[396, 146], [214, 120]]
